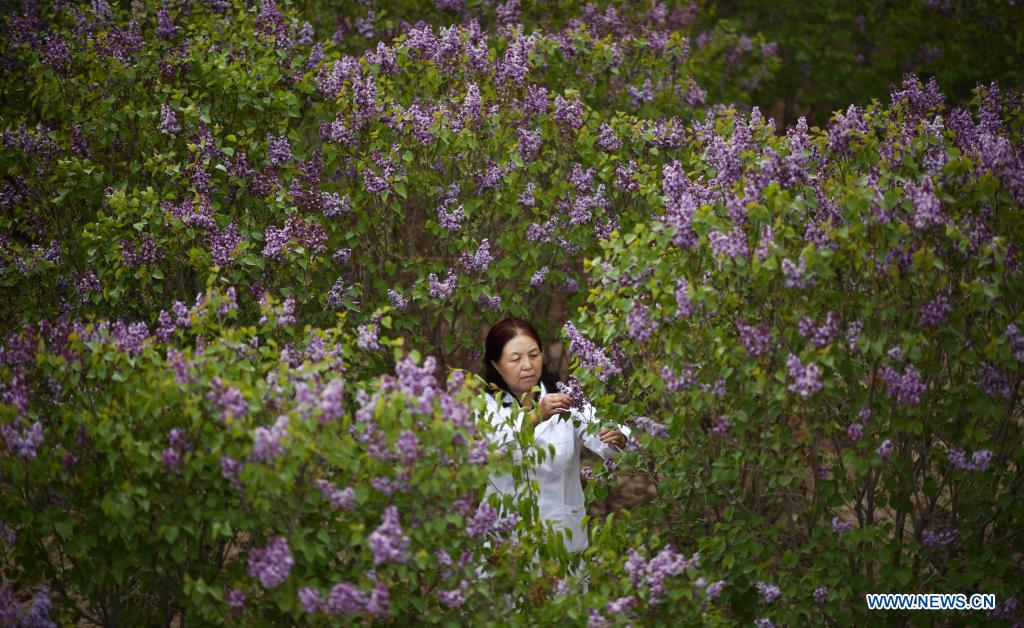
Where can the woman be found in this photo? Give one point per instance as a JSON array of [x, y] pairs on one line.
[[513, 363]]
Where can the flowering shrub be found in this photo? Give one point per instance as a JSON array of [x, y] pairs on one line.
[[831, 403], [240, 260]]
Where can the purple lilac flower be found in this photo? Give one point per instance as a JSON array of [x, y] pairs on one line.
[[388, 542], [935, 312], [907, 388], [368, 337], [230, 400], [536, 100], [994, 382], [23, 440], [885, 449], [408, 447], [757, 340], [572, 388], [398, 301], [224, 243], [568, 113], [1016, 340], [590, 355], [931, 538], [341, 256], [715, 589], [478, 262], [855, 431], [236, 599], [839, 526], [794, 275], [279, 150], [608, 141], [168, 121], [652, 427], [538, 277], [171, 459], [455, 598], [332, 206], [804, 380], [529, 144], [767, 591], [310, 599], [821, 594], [721, 426], [927, 211], [339, 497], [979, 460], [272, 564], [732, 244], [442, 289], [267, 441], [763, 622], [639, 322], [844, 127], [621, 605]]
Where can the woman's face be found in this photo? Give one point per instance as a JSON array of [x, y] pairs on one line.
[[520, 364]]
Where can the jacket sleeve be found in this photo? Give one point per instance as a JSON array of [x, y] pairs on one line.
[[588, 418]]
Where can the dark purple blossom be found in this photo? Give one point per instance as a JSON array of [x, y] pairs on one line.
[[905, 388], [168, 121]]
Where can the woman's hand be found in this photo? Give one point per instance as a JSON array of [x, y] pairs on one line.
[[614, 437], [552, 404]]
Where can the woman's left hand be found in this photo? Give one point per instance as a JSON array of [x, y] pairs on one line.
[[613, 437]]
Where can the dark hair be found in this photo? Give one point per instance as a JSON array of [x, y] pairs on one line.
[[498, 336]]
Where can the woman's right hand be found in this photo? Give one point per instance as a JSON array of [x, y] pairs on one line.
[[552, 404]]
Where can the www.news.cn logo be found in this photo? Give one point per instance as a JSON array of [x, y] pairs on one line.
[[931, 601]]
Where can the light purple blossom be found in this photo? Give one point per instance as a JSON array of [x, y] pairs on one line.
[[905, 388], [279, 150], [590, 355], [804, 380], [267, 441], [757, 340], [272, 564], [388, 542], [839, 526], [884, 450], [767, 591], [932, 538], [339, 497], [477, 262], [442, 289], [538, 277], [568, 113], [168, 121]]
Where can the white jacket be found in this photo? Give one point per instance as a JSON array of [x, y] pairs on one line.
[[561, 493]]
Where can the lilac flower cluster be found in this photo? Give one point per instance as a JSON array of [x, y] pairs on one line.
[[823, 335], [230, 399], [804, 380], [442, 289], [271, 564], [927, 210], [572, 388], [935, 312], [537, 280], [388, 542], [641, 327], [674, 382], [652, 427], [168, 121], [36, 616], [855, 431], [820, 594], [1016, 340], [266, 444], [794, 275], [839, 526], [590, 355], [905, 388], [224, 243], [339, 497], [994, 382], [767, 591], [731, 245], [884, 450], [931, 538], [979, 461], [756, 339], [478, 262], [568, 113], [23, 440], [668, 562], [346, 599]]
